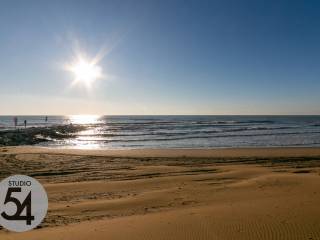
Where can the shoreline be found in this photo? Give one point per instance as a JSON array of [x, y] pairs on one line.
[[176, 152]]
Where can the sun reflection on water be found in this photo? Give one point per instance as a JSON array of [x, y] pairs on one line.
[[84, 119]]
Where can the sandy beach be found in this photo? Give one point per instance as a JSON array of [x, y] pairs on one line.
[[258, 193]]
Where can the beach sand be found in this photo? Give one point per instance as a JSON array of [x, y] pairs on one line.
[[270, 193]]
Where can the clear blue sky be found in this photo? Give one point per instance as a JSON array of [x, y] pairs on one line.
[[163, 57]]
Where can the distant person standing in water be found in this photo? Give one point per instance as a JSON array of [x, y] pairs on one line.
[[25, 123], [46, 119], [15, 121]]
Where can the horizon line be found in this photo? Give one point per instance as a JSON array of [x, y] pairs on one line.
[[9, 115]]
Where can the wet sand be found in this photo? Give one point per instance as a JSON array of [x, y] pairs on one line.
[[270, 193]]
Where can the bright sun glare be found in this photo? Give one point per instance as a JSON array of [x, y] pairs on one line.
[[84, 119], [85, 71]]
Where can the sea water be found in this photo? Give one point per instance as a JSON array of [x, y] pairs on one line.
[[126, 132]]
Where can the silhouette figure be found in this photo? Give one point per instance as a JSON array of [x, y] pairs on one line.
[[15, 121]]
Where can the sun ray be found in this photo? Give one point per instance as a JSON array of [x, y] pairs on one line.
[[85, 71]]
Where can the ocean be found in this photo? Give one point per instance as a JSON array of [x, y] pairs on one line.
[[130, 132]]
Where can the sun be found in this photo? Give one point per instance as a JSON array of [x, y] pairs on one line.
[[85, 71]]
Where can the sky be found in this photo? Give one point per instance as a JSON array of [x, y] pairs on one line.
[[161, 57]]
